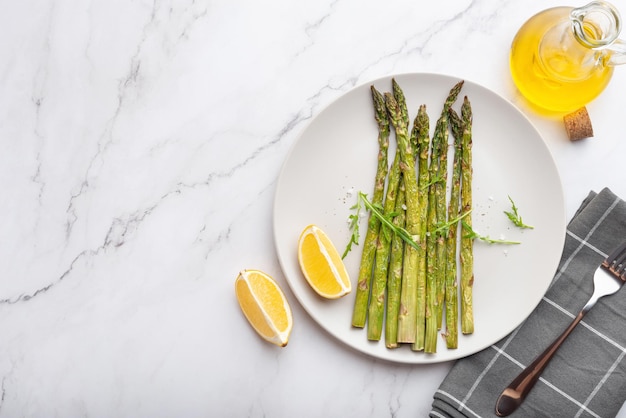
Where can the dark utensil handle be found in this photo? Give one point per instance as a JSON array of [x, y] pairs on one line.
[[514, 394]]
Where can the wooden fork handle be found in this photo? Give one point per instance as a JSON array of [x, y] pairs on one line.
[[514, 394]]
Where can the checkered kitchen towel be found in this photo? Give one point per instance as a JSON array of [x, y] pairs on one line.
[[587, 376]]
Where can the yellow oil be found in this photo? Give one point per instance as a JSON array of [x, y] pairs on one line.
[[552, 76]]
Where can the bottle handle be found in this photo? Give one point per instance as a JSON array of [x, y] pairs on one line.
[[618, 53]]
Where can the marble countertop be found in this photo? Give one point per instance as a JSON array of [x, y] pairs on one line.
[[140, 148]]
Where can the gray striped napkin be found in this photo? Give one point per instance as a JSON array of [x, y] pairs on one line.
[[587, 376]]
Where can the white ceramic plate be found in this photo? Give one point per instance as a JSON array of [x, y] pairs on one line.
[[336, 156]]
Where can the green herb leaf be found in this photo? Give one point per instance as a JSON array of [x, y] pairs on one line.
[[354, 227], [515, 217], [444, 227], [433, 180], [475, 235], [401, 232]]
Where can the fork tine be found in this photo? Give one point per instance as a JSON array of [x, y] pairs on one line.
[[615, 262], [618, 262], [614, 255]]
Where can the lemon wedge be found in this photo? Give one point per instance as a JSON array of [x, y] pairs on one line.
[[321, 264], [264, 305]]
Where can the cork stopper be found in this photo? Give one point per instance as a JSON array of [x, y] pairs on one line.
[[578, 124]]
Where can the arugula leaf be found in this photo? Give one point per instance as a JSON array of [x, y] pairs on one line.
[[354, 227], [403, 233], [515, 217], [475, 235], [444, 227]]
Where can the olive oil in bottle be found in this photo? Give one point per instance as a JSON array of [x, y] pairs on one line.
[[561, 58]]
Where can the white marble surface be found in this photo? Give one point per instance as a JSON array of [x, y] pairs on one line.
[[140, 147]]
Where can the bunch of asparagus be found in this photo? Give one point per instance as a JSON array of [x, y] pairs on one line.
[[408, 269]]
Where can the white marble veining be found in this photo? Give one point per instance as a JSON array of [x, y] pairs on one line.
[[140, 143]]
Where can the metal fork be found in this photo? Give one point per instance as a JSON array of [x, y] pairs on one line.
[[607, 279]]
